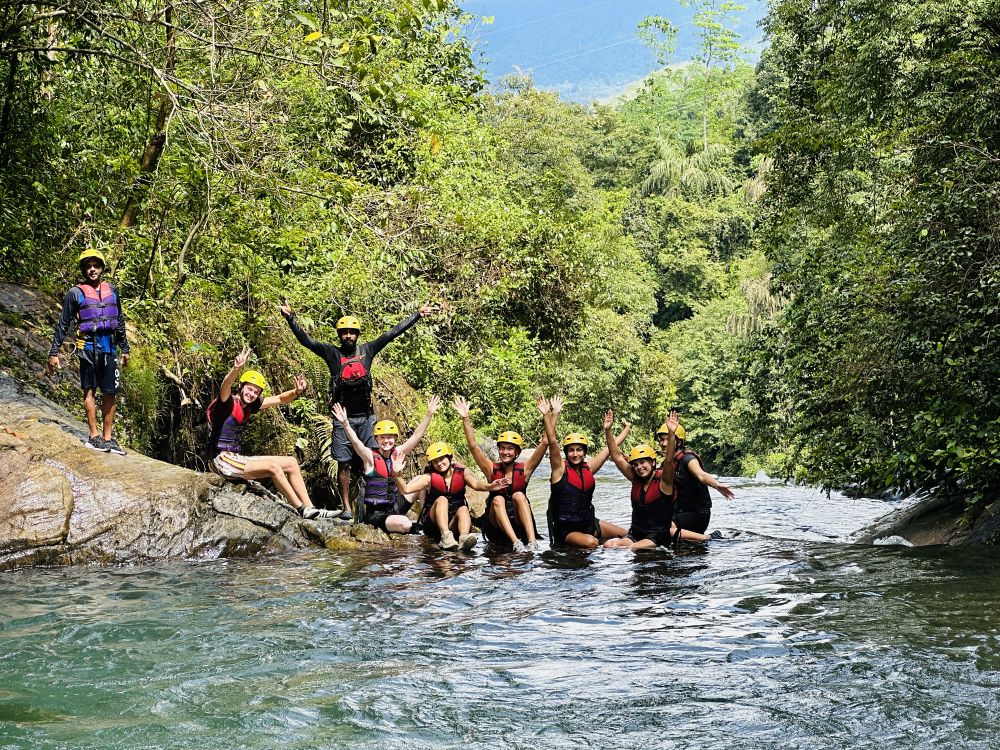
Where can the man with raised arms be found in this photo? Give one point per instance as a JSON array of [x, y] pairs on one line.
[[446, 511], [572, 518], [227, 418], [652, 493], [384, 507], [350, 366], [508, 520]]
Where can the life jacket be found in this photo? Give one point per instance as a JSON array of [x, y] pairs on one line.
[[352, 370], [380, 487], [572, 497], [230, 434], [99, 308], [518, 482], [689, 493], [652, 511], [455, 493]]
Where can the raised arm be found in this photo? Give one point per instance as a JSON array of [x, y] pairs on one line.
[[399, 329], [481, 459], [481, 485], [543, 445], [286, 397], [432, 406], [599, 460], [555, 405], [226, 389], [362, 450], [317, 347], [614, 451], [694, 466], [667, 475]]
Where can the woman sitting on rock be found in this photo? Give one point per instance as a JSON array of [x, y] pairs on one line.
[[227, 417], [446, 511]]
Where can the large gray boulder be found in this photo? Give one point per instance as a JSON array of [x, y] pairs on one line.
[[62, 503]]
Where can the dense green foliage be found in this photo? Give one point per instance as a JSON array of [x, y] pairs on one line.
[[883, 120]]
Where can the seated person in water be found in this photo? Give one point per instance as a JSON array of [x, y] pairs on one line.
[[692, 503], [384, 507], [446, 511], [571, 515], [652, 494], [508, 521], [227, 418]]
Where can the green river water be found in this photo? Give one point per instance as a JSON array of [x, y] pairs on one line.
[[784, 636]]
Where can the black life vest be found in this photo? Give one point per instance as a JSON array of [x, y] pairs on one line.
[[99, 308], [690, 495], [380, 487], [652, 511], [455, 492], [572, 497], [518, 482]]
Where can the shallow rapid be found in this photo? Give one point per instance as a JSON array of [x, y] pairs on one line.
[[782, 636]]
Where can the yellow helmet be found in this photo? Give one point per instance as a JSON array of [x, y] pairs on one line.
[[439, 450], [641, 451], [91, 253], [575, 438], [253, 378], [349, 322], [386, 427], [664, 430], [511, 437]]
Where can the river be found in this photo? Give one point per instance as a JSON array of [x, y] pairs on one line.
[[783, 636]]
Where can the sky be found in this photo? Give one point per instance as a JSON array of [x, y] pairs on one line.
[[586, 50]]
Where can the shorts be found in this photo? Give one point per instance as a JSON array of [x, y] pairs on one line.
[[562, 529], [693, 520], [495, 535], [427, 524], [660, 538], [229, 464], [376, 515], [363, 426], [100, 372]]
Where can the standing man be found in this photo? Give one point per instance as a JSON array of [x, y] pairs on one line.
[[350, 366], [96, 307]]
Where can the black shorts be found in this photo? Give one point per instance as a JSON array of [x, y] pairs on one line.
[[427, 524], [99, 372], [562, 529], [693, 520], [660, 538]]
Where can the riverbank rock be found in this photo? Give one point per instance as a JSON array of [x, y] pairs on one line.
[[935, 520], [62, 503]]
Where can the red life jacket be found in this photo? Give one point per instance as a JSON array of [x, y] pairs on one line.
[[518, 482], [99, 309], [652, 511], [572, 497], [352, 370], [439, 488]]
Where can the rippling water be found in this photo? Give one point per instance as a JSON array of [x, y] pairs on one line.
[[783, 636]]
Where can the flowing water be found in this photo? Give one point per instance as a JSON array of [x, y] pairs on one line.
[[784, 636]]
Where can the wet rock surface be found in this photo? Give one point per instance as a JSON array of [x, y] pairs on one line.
[[936, 520]]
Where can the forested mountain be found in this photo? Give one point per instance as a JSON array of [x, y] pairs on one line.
[[800, 256]]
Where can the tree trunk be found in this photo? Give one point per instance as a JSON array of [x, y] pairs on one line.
[[154, 149]]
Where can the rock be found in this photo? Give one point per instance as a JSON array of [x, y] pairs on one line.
[[62, 503], [935, 520]]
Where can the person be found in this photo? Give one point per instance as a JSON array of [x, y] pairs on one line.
[[384, 507], [652, 494], [350, 366], [692, 503], [97, 308], [508, 520], [572, 518], [446, 511], [228, 416]]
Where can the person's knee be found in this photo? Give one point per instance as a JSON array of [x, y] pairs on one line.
[[520, 498], [498, 503], [462, 512]]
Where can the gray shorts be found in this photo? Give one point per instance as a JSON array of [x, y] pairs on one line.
[[364, 427]]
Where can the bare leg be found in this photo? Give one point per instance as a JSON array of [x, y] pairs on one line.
[[609, 530], [689, 536], [524, 514], [291, 468], [90, 407], [498, 514], [464, 520], [344, 482], [267, 466], [618, 542], [579, 539], [107, 414], [398, 525], [439, 513]]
